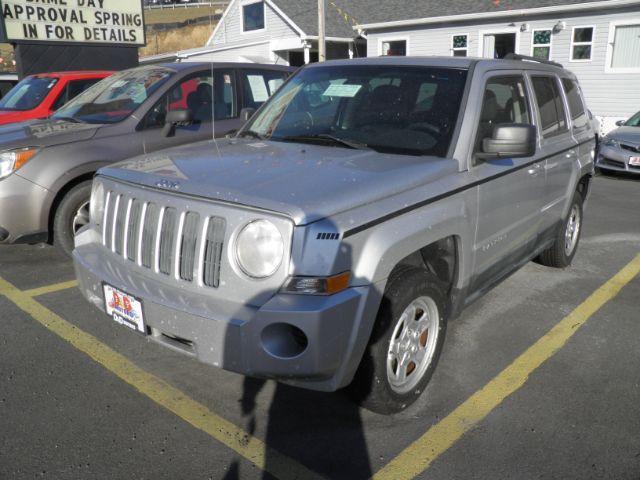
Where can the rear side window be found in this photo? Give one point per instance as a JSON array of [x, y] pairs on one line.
[[258, 86], [552, 116], [576, 106], [504, 101], [72, 90]]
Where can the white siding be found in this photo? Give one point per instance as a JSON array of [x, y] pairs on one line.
[[230, 31], [613, 95]]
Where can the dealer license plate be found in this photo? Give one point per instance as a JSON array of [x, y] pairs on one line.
[[124, 308]]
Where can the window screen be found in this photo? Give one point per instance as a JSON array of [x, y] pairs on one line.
[[549, 101], [626, 47]]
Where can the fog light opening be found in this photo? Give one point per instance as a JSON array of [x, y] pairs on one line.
[[282, 340]]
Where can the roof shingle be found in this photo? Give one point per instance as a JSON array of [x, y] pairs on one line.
[[342, 15]]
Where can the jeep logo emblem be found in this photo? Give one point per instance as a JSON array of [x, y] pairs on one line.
[[168, 184]]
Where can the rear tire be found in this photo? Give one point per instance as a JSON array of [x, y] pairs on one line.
[[405, 344], [71, 215], [561, 253]]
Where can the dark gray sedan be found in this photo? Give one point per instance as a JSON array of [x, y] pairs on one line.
[[620, 149], [46, 166]]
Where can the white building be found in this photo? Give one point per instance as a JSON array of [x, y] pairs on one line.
[[598, 40]]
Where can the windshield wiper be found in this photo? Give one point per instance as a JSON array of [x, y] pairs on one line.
[[69, 119], [250, 133], [324, 138]]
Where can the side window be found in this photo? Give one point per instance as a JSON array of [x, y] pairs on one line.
[[504, 101], [259, 85], [201, 93], [576, 106], [72, 90], [552, 116]]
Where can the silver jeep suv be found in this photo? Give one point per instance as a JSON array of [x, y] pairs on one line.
[[362, 207]]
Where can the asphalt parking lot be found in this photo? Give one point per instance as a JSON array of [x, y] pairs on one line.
[[538, 379]]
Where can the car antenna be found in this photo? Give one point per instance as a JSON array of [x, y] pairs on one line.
[[213, 111]]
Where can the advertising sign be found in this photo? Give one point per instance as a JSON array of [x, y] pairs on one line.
[[113, 22]]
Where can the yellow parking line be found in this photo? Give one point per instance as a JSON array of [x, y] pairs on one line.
[[35, 292], [420, 454], [174, 400]]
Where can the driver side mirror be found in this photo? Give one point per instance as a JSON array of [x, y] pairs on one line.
[[181, 116], [620, 123], [513, 140]]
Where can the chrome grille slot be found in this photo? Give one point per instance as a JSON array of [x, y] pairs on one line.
[[167, 240], [214, 243], [156, 233], [148, 235], [107, 220], [133, 229], [188, 245], [119, 224]]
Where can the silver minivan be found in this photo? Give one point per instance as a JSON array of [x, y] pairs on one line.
[[46, 166]]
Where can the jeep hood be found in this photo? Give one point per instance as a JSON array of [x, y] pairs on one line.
[[44, 133], [305, 182]]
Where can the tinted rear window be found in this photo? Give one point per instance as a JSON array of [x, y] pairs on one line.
[[552, 115], [576, 107]]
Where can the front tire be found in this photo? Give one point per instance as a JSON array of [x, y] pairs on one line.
[[405, 344], [71, 215], [561, 253]]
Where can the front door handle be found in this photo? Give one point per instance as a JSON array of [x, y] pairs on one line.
[[534, 170]]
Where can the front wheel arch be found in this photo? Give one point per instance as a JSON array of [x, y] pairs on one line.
[[58, 198]]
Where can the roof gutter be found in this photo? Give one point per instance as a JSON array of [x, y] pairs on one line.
[[523, 12], [204, 50]]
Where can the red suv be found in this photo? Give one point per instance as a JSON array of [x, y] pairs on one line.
[[38, 96]]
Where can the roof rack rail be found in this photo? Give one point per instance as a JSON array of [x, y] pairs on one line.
[[517, 56]]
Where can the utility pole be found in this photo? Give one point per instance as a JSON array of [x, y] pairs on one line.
[[322, 43]]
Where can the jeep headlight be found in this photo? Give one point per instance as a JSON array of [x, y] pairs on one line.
[[96, 203], [12, 160], [259, 249]]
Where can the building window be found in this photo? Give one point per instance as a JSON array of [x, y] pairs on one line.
[[253, 17], [582, 44], [541, 44], [460, 45], [397, 48], [625, 55]]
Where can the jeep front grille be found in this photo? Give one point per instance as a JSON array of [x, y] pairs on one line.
[[164, 239]]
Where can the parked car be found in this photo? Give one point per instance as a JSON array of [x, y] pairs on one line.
[[46, 166], [352, 217], [620, 150], [38, 96], [7, 82]]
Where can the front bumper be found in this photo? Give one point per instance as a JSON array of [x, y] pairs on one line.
[[617, 159], [21, 217], [241, 338]]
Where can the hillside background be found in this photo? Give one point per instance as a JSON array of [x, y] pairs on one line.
[[168, 29]]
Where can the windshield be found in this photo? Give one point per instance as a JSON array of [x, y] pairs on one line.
[[392, 109], [28, 94], [116, 97], [633, 121]]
